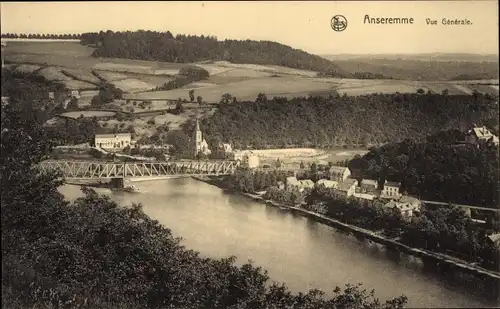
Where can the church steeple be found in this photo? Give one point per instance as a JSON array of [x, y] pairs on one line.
[[197, 139]]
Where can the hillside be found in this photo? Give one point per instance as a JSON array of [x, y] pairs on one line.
[[436, 170], [149, 45], [346, 121]]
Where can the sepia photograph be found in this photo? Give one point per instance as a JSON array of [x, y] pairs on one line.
[[250, 154]]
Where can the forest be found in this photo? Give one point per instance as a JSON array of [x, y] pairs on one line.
[[342, 121], [439, 169], [163, 46], [41, 36]]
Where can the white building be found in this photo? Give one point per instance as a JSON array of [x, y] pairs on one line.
[[391, 189], [348, 187], [113, 141], [368, 185], [251, 160], [406, 209], [327, 183], [339, 173], [481, 135]]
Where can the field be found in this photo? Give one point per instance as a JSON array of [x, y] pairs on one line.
[[88, 114], [244, 81], [306, 155]]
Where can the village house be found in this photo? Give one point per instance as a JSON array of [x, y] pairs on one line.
[[327, 183], [368, 186], [364, 196], [251, 160], [306, 184], [339, 173], [348, 187], [116, 141], [495, 239], [281, 185], [481, 136], [391, 189], [406, 209], [415, 203], [292, 184]]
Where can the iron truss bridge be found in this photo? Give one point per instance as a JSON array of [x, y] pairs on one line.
[[104, 170]]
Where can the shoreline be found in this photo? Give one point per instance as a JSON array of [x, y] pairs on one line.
[[450, 263]]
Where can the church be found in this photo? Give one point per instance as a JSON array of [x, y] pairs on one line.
[[199, 143]]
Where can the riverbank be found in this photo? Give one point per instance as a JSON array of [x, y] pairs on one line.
[[449, 265]]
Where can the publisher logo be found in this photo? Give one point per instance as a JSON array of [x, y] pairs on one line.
[[338, 23]]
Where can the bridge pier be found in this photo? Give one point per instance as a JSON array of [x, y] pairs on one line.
[[117, 183]]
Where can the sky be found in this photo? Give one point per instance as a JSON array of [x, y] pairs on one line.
[[301, 24]]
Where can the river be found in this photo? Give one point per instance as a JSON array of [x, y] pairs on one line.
[[294, 249]]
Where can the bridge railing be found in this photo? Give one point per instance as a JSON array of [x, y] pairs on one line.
[[95, 169]]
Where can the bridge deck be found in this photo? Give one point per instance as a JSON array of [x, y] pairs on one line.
[[102, 170]]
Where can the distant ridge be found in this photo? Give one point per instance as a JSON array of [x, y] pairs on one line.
[[163, 46], [421, 57]]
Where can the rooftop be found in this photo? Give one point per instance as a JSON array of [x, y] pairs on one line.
[[369, 182], [307, 183], [346, 185], [337, 169], [392, 184], [113, 135], [481, 132]]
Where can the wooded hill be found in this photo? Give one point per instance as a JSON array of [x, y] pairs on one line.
[[346, 121], [163, 46], [437, 169]]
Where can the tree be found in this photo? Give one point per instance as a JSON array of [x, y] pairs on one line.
[[199, 99], [261, 98], [226, 98], [180, 143], [73, 104], [445, 92], [191, 95], [420, 91]]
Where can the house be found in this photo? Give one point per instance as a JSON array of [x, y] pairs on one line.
[[306, 184], [281, 185], [227, 148], [414, 202], [113, 141], [495, 239], [238, 155], [406, 209], [480, 135], [327, 183], [339, 173], [364, 196], [492, 141], [292, 183], [368, 185], [391, 189], [251, 160], [347, 188]]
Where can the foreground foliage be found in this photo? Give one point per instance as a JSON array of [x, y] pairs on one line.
[[94, 253]]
